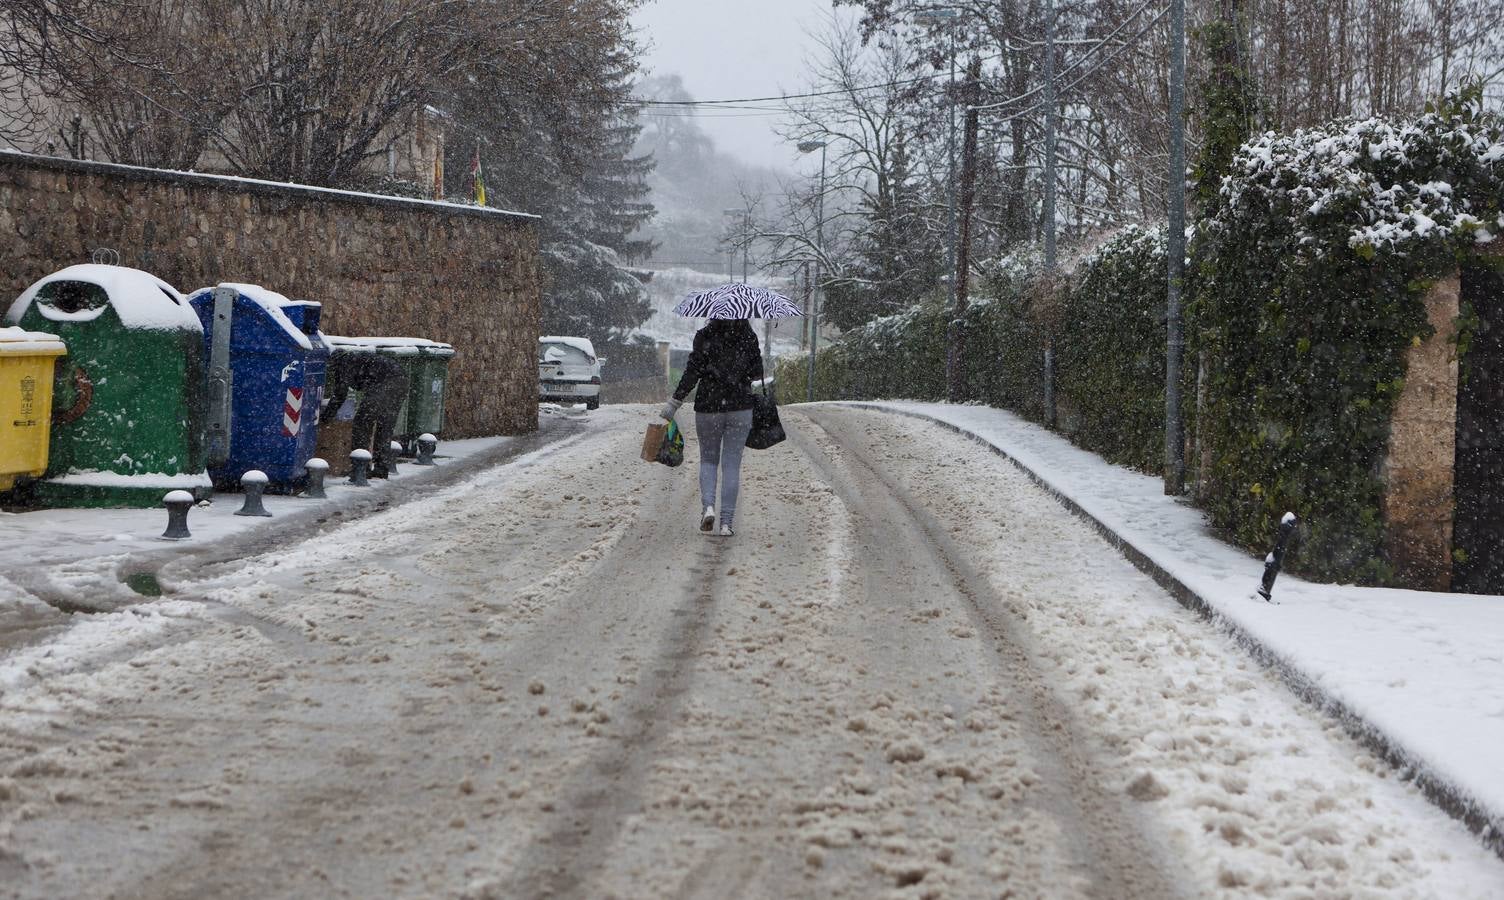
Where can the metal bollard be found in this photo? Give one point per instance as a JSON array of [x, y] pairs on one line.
[[427, 444], [254, 484], [395, 450], [317, 469], [178, 503], [1274, 560], [360, 467]]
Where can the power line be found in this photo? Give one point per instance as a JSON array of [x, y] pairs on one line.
[[884, 85], [1086, 55], [698, 115]]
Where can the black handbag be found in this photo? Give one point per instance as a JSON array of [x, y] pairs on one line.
[[767, 430]]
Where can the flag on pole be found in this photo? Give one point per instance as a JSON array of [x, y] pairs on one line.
[[480, 183]]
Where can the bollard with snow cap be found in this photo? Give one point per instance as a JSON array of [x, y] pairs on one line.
[[1274, 560], [178, 503], [427, 444], [317, 469], [394, 450], [254, 483], [360, 465]]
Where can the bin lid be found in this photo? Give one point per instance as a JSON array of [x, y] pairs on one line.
[[17, 341], [273, 304], [140, 299], [396, 346]]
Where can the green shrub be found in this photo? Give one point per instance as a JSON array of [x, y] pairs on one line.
[[1110, 351]]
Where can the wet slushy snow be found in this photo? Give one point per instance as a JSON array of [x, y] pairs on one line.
[[910, 674]]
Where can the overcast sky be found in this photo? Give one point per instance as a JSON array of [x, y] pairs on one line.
[[729, 49]]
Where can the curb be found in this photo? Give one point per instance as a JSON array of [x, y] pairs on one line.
[[1486, 824], [172, 566]]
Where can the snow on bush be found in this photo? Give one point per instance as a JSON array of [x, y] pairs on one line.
[[1383, 185]]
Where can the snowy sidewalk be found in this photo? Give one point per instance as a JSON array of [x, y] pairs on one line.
[[1419, 675], [57, 562]]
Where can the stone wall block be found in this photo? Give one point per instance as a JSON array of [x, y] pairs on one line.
[[1418, 471], [381, 267]]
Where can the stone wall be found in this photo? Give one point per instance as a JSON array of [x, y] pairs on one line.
[[1418, 471], [380, 265]]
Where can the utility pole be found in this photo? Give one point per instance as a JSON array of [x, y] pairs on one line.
[[950, 217], [950, 18], [1049, 200], [1175, 250], [1049, 136], [955, 388], [814, 310]]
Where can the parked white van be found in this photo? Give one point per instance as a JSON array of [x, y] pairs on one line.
[[568, 371]]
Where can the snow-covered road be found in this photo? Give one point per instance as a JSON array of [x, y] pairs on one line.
[[911, 673]]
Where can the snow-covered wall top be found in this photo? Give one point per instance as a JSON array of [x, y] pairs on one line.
[[257, 185]]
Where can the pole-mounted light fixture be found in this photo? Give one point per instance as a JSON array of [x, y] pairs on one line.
[[810, 146]]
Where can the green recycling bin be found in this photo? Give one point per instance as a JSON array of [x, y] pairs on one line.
[[428, 382], [427, 366], [128, 399]]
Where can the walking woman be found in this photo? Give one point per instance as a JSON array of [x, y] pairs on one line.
[[725, 361]]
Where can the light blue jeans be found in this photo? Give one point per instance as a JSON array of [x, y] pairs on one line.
[[723, 437]]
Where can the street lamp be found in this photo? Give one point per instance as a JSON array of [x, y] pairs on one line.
[[949, 18], [744, 228], [814, 301]]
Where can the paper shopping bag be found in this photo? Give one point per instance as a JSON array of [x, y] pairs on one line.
[[653, 440]]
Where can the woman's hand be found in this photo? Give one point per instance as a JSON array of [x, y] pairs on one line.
[[670, 409]]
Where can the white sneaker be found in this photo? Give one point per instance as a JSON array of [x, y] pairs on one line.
[[726, 531], [707, 521]]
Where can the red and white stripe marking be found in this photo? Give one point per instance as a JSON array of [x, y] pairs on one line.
[[292, 412]]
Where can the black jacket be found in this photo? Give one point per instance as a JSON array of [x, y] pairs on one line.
[[725, 361], [363, 371]]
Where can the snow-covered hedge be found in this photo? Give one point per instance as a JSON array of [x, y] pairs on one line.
[[1308, 279], [1003, 362], [1110, 350]]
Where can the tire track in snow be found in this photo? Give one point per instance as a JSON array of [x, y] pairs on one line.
[[602, 791], [1105, 836]]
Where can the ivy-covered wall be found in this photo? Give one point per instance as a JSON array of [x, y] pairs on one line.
[[1308, 283], [1306, 286]]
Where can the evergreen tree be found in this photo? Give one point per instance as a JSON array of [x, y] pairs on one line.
[[556, 133], [1226, 107], [896, 258]]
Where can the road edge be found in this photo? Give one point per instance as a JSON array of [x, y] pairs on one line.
[[1487, 825], [298, 526]]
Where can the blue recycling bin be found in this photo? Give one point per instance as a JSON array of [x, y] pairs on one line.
[[266, 361]]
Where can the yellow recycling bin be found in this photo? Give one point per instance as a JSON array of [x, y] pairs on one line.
[[26, 360]]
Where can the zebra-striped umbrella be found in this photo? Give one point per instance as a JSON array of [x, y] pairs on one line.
[[737, 301]]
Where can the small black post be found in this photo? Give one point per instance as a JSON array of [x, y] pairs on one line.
[[178, 503], [360, 465], [254, 484], [1274, 560], [427, 444], [317, 469]]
